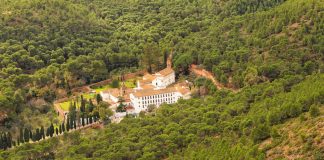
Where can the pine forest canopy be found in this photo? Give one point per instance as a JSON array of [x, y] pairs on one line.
[[272, 50]]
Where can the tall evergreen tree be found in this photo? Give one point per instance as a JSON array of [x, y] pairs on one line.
[[60, 129], [98, 98], [82, 120], [30, 135], [26, 135], [51, 130], [21, 135], [38, 135], [90, 106], [68, 124], [63, 127], [9, 140], [2, 142], [42, 132]]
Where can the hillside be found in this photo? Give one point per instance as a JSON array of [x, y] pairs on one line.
[[222, 126], [270, 51]]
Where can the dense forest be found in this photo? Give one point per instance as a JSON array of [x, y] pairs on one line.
[[272, 50]]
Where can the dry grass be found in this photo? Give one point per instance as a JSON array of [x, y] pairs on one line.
[[300, 139]]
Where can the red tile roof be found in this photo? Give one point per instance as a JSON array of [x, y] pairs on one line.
[[166, 71]]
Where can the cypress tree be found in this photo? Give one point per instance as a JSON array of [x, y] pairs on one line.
[[63, 127], [98, 98], [31, 135], [9, 140], [26, 135], [90, 119], [51, 129], [38, 136], [68, 124], [42, 132], [60, 129], [82, 106], [82, 120], [34, 137], [91, 106], [74, 124], [2, 142], [21, 136], [95, 118], [47, 132]]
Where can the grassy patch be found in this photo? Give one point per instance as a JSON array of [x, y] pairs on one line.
[[101, 88], [131, 83], [65, 105]]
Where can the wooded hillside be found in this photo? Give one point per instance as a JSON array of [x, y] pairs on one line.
[[272, 50]]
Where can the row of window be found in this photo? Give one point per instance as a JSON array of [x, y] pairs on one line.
[[156, 103], [166, 95]]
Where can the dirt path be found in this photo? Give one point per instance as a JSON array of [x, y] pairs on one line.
[[59, 110], [204, 73]]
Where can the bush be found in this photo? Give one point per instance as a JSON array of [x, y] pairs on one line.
[[260, 133], [314, 111], [115, 83]]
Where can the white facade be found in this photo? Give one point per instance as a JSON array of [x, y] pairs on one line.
[[106, 96], [140, 103], [158, 93], [163, 81]]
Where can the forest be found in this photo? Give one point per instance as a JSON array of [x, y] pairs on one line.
[[270, 50]]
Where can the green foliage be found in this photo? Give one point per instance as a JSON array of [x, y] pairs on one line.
[[223, 126], [314, 110], [271, 49], [115, 83]]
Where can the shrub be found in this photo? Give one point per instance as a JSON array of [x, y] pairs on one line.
[[260, 133], [314, 111]]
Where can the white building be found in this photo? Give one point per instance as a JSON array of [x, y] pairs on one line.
[[113, 96], [143, 98], [153, 89], [164, 78]]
